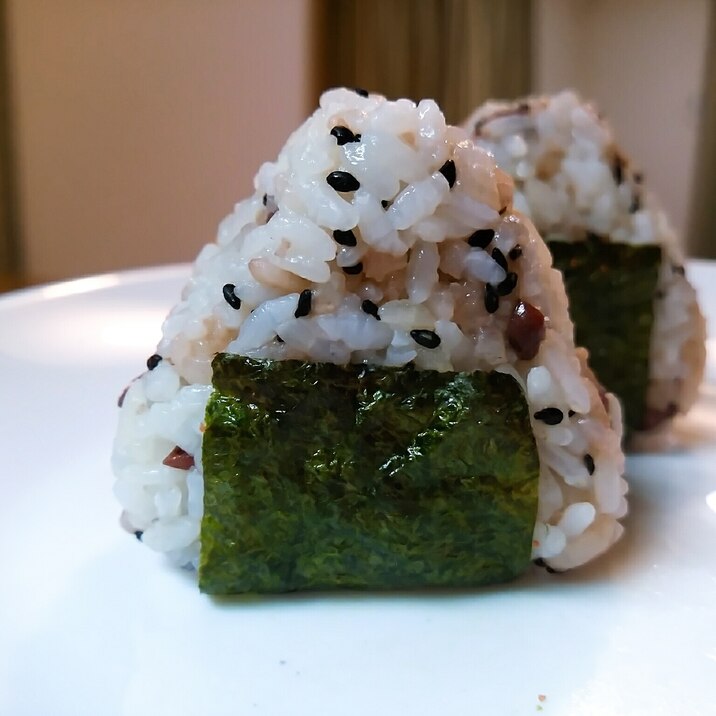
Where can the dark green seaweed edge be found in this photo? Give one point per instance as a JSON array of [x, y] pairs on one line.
[[611, 289]]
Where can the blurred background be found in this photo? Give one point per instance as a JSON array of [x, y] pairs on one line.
[[129, 128]]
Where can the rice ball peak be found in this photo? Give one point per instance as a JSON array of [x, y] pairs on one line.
[[383, 237]]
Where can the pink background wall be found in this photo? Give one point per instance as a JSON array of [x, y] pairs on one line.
[[139, 123]]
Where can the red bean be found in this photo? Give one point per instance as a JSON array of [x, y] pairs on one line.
[[525, 330], [179, 459]]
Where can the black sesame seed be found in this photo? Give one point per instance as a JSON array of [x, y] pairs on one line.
[[343, 135], [551, 416], [385, 203], [360, 91], [492, 300], [635, 204], [677, 269], [448, 171], [342, 181], [122, 396], [499, 258], [230, 296], [506, 287], [571, 413], [515, 252], [589, 463], [481, 238], [304, 303], [370, 308], [279, 339], [427, 339], [344, 238], [153, 361], [138, 534], [353, 270], [265, 199], [618, 169], [539, 562]]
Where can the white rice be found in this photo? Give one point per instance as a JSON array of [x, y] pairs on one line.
[[418, 268], [562, 154]]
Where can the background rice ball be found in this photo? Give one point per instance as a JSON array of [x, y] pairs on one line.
[[579, 187]]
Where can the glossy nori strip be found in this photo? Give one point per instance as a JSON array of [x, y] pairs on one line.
[[611, 288], [320, 476]]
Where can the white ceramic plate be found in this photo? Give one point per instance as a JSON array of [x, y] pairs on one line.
[[93, 623]]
